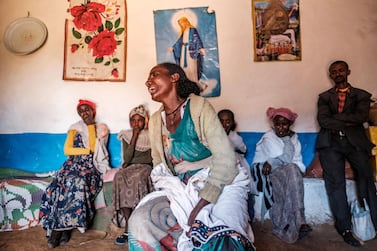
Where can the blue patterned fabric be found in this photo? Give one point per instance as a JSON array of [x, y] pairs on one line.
[[69, 200], [227, 240]]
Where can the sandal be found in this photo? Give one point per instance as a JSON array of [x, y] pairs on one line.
[[304, 230], [349, 239], [122, 239], [66, 236], [54, 239]]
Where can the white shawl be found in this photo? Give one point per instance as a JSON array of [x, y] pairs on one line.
[[101, 154], [271, 146]]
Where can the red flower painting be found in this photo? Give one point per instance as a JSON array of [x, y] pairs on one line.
[[87, 16], [98, 33], [104, 44]]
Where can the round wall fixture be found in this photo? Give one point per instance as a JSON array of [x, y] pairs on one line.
[[25, 35]]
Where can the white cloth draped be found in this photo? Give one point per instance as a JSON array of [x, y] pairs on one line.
[[271, 146], [229, 210]]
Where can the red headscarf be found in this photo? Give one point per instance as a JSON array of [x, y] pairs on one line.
[[284, 112], [89, 103]]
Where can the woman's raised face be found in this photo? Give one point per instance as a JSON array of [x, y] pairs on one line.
[[137, 121], [281, 126], [159, 83]]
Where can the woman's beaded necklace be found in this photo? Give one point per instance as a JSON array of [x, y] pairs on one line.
[[174, 112]]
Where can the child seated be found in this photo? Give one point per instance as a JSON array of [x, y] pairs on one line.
[[227, 120]]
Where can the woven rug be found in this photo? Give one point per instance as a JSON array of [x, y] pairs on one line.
[[20, 197], [20, 201]]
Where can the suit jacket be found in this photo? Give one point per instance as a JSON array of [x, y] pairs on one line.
[[350, 120]]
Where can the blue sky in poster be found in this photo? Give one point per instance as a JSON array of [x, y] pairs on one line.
[[167, 32]]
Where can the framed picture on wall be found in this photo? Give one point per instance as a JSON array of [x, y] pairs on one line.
[[95, 41], [188, 37], [276, 25]]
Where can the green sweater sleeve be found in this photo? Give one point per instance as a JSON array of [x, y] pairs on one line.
[[133, 156]]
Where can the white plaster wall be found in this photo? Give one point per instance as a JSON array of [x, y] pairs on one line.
[[34, 98]]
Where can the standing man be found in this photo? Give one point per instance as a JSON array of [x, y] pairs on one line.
[[342, 110]]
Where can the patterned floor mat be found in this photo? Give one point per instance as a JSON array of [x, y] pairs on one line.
[[20, 198]]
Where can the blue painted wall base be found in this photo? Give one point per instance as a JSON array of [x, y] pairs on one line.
[[43, 152]]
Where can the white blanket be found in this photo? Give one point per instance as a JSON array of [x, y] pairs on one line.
[[230, 209]]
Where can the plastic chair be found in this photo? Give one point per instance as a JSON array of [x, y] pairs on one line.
[[373, 138]]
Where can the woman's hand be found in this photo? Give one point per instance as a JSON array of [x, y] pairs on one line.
[[124, 165], [266, 169], [202, 52], [103, 130], [202, 203], [136, 131], [135, 134], [174, 160]]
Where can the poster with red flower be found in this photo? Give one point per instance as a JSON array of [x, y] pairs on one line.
[[95, 40]]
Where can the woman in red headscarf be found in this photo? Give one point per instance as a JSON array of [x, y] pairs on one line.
[[277, 169], [68, 202]]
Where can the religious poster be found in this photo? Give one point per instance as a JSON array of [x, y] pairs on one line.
[[188, 37], [276, 26], [95, 40]]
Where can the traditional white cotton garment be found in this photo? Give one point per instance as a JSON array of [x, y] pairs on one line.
[[271, 146], [230, 209]]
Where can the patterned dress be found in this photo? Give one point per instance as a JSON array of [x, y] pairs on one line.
[[69, 200]]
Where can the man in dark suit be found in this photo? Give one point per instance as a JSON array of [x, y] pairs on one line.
[[342, 111]]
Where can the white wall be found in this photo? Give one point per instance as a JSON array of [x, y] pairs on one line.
[[34, 98]]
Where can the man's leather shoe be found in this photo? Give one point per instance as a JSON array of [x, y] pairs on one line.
[[349, 239]]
